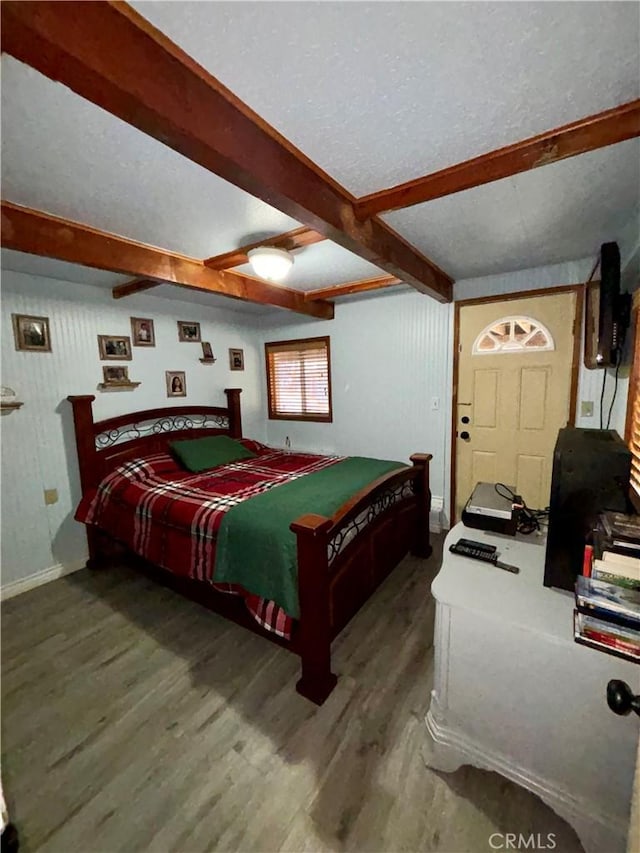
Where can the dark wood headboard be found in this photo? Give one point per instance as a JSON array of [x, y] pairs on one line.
[[103, 445]]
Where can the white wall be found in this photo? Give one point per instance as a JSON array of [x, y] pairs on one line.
[[391, 355], [391, 363], [38, 449], [390, 358]]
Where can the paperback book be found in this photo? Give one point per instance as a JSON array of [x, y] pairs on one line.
[[603, 575], [608, 601]]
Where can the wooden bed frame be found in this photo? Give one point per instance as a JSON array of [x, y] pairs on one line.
[[341, 560]]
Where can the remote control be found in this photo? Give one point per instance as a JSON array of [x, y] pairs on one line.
[[485, 556], [480, 546], [468, 548]]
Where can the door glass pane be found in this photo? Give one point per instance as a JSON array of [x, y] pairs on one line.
[[513, 334]]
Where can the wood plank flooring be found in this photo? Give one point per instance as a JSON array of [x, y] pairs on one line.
[[134, 720]]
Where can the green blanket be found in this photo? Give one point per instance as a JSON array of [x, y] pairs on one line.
[[255, 547]]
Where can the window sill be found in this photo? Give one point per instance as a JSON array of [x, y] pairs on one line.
[[322, 419]]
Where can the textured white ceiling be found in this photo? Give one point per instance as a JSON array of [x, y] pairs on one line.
[[374, 92], [64, 155], [379, 93], [557, 213]]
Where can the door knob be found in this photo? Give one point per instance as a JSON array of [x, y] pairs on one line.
[[465, 435], [620, 698]]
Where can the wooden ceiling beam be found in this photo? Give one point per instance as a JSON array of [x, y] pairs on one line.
[[290, 240], [110, 55], [579, 137], [352, 287], [27, 230], [138, 285]]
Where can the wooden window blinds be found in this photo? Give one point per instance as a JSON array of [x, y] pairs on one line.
[[632, 429], [299, 379]]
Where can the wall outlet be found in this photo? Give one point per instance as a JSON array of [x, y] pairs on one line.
[[586, 408], [50, 496], [287, 443]]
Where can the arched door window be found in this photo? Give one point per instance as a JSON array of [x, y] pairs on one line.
[[513, 334]]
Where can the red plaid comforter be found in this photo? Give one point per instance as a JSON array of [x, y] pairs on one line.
[[171, 517]]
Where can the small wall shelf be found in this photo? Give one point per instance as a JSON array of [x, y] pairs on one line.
[[6, 408], [208, 360], [118, 386]]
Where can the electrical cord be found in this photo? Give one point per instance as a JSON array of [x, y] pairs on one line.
[[604, 381], [529, 520], [615, 387], [620, 342]]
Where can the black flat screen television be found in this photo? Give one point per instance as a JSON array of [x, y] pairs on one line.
[[607, 312]]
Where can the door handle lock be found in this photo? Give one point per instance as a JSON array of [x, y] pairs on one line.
[[464, 435]]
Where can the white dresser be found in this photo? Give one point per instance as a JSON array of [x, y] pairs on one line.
[[513, 693]]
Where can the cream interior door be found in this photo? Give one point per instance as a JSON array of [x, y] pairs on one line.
[[514, 389]]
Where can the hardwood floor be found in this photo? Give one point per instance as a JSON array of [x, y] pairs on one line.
[[134, 720]]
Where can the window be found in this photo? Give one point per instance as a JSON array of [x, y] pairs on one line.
[[513, 334], [632, 430], [299, 380]]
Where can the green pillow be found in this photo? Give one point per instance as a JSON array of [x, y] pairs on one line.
[[198, 454]]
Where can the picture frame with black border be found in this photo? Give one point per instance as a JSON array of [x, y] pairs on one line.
[[189, 332]]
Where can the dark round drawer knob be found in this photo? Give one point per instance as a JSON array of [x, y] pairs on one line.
[[620, 698]]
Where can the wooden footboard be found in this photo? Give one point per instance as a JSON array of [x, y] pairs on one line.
[[342, 559]]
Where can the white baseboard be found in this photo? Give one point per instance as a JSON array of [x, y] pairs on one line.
[[13, 588]]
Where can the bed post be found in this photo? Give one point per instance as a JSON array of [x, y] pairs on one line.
[[422, 546], [85, 440], [235, 418], [88, 463], [317, 680]]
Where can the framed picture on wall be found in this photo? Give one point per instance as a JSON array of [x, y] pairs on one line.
[[31, 334], [115, 375], [188, 331], [142, 332], [176, 383], [117, 347], [236, 359]]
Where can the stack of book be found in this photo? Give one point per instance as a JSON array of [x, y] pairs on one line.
[[608, 593]]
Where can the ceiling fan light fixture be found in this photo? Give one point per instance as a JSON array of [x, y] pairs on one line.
[[270, 263]]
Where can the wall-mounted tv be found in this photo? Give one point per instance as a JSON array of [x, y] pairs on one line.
[[607, 312]]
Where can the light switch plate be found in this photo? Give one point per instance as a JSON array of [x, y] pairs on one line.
[[586, 408], [50, 496]]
